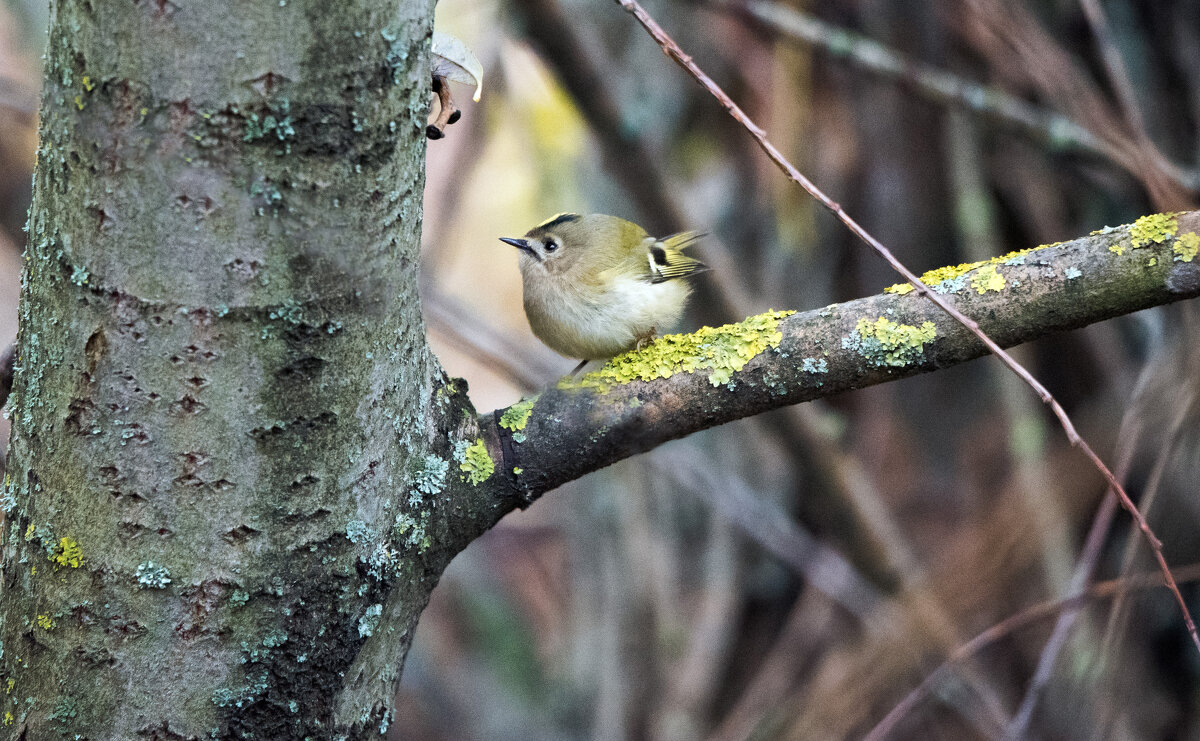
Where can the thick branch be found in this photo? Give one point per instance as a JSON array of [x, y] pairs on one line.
[[673, 388]]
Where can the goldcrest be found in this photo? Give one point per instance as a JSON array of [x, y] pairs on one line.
[[596, 285]]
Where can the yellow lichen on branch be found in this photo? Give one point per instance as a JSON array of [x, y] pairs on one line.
[[1186, 247], [476, 463], [953, 278], [516, 417], [722, 350], [987, 279], [884, 343], [1153, 229]]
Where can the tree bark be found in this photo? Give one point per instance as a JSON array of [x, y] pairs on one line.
[[223, 393]]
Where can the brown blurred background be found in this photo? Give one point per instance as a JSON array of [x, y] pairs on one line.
[[800, 574]]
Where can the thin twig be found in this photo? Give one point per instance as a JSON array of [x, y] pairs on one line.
[[1084, 569], [1059, 131], [1128, 436], [672, 50], [1117, 73], [1013, 39], [1024, 618], [1108, 648], [936, 84], [1118, 76]]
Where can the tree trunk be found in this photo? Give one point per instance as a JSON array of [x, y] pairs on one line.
[[224, 458]]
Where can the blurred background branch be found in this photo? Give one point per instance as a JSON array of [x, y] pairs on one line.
[[1053, 130]]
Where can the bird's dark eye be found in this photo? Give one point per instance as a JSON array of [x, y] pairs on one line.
[[551, 245]]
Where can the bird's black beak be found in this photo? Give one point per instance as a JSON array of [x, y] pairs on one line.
[[521, 244]]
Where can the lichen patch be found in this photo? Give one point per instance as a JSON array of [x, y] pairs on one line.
[[887, 344], [1186, 247], [722, 351], [1153, 229], [476, 463], [987, 279], [953, 278], [516, 417]]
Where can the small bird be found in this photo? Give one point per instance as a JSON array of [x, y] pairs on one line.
[[597, 285]]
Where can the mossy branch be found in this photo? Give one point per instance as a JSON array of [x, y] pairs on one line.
[[685, 383]]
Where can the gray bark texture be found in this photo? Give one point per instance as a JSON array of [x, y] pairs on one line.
[[229, 444]]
